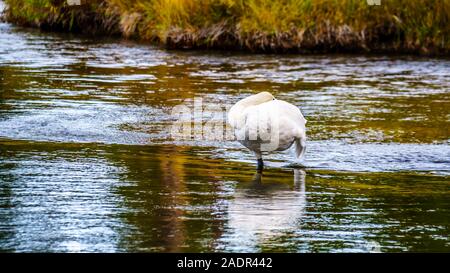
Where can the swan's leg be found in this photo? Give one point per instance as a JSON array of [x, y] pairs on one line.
[[260, 166]]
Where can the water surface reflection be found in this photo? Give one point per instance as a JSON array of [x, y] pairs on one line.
[[87, 162]]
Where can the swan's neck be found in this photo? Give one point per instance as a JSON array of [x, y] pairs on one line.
[[235, 115], [251, 101]]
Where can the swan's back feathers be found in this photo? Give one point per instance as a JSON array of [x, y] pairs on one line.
[[291, 111]]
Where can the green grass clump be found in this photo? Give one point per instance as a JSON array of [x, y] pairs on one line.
[[418, 26]]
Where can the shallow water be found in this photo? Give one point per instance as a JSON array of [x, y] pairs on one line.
[[87, 161]]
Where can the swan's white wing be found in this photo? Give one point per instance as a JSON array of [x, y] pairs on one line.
[[292, 122], [289, 115], [290, 111]]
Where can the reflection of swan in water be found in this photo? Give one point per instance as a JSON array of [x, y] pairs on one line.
[[264, 211]]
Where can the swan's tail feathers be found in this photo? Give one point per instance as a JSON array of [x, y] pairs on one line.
[[300, 147]]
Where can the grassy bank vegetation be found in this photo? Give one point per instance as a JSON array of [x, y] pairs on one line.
[[406, 26]]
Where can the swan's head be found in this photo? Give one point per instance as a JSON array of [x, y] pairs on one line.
[[261, 98], [256, 99], [236, 111], [264, 96]]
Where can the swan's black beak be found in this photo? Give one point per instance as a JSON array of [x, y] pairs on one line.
[[260, 166]]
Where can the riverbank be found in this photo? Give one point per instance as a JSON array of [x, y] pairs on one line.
[[301, 26]]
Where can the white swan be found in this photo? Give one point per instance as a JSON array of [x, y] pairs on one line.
[[264, 124]]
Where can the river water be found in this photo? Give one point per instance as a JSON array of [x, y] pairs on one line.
[[88, 162]]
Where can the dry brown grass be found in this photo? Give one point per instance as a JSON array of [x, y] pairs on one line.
[[413, 26]]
